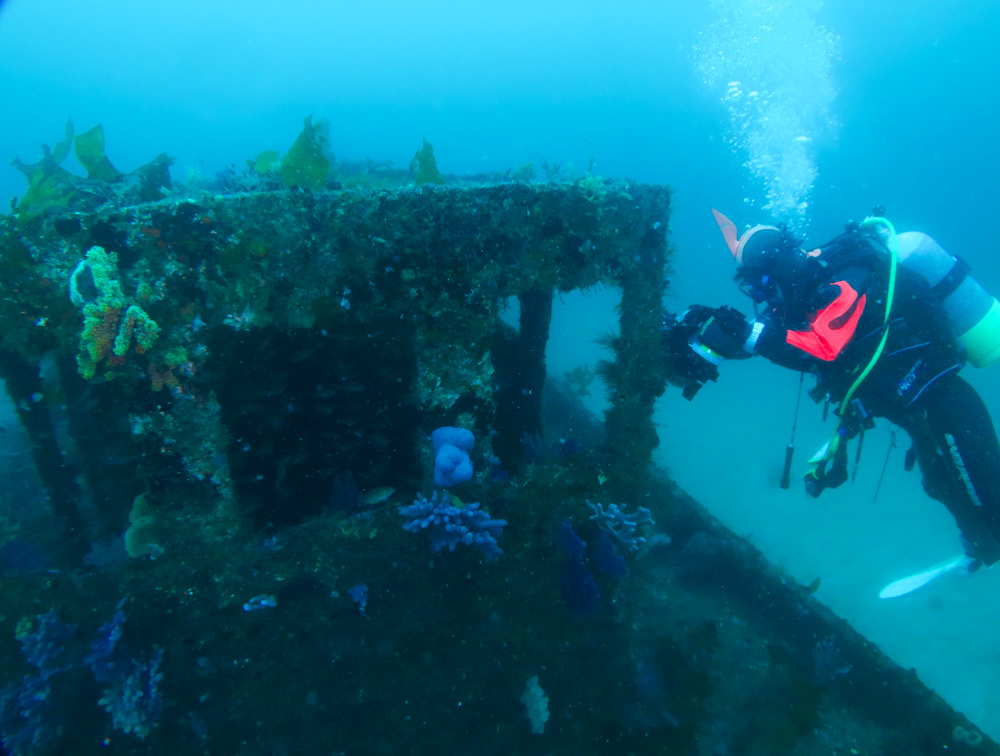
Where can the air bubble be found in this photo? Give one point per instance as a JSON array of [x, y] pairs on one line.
[[776, 52]]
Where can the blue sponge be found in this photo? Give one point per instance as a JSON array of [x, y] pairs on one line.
[[452, 464]]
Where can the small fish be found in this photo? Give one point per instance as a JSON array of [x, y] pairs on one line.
[[377, 495]]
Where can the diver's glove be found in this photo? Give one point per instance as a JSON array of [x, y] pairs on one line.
[[827, 468]]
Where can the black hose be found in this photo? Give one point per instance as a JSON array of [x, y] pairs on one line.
[[786, 472]]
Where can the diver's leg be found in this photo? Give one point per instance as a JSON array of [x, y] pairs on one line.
[[960, 460]]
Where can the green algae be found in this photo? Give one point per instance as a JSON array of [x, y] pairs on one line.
[[49, 184], [268, 161], [53, 190], [424, 166], [89, 150], [306, 164]]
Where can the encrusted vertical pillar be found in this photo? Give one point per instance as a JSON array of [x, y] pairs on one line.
[[24, 385], [637, 376], [536, 317], [519, 360], [454, 384]]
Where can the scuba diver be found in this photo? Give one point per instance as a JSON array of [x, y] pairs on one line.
[[884, 323]]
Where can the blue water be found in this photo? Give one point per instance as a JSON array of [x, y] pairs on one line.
[[892, 103]]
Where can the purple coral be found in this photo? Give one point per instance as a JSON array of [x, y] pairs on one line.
[[28, 709], [449, 525], [359, 594], [828, 662], [131, 687], [28, 722], [46, 644], [621, 525], [452, 464], [579, 589], [131, 690], [133, 698]]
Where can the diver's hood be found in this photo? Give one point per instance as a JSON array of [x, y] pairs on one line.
[[755, 246], [770, 266]]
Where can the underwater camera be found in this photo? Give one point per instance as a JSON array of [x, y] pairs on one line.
[[700, 340], [689, 363]]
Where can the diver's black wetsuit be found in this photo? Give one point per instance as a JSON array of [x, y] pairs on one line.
[[956, 448], [914, 383]]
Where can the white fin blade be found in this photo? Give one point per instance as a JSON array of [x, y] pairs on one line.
[[919, 580]]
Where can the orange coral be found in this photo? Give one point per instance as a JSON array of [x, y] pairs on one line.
[[100, 328]]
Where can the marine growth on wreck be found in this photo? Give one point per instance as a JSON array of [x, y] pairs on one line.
[[253, 540]]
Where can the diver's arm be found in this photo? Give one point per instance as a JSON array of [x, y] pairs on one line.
[[769, 341], [833, 326], [820, 330]]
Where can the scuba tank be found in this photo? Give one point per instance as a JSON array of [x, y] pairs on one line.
[[974, 313]]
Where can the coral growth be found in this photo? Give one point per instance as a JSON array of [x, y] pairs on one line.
[[449, 525], [621, 525], [111, 326], [141, 538], [131, 692], [29, 716]]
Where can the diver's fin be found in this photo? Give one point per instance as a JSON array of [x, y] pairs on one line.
[[919, 580], [728, 229]]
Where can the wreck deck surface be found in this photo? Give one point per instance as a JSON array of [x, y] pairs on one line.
[[204, 379]]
